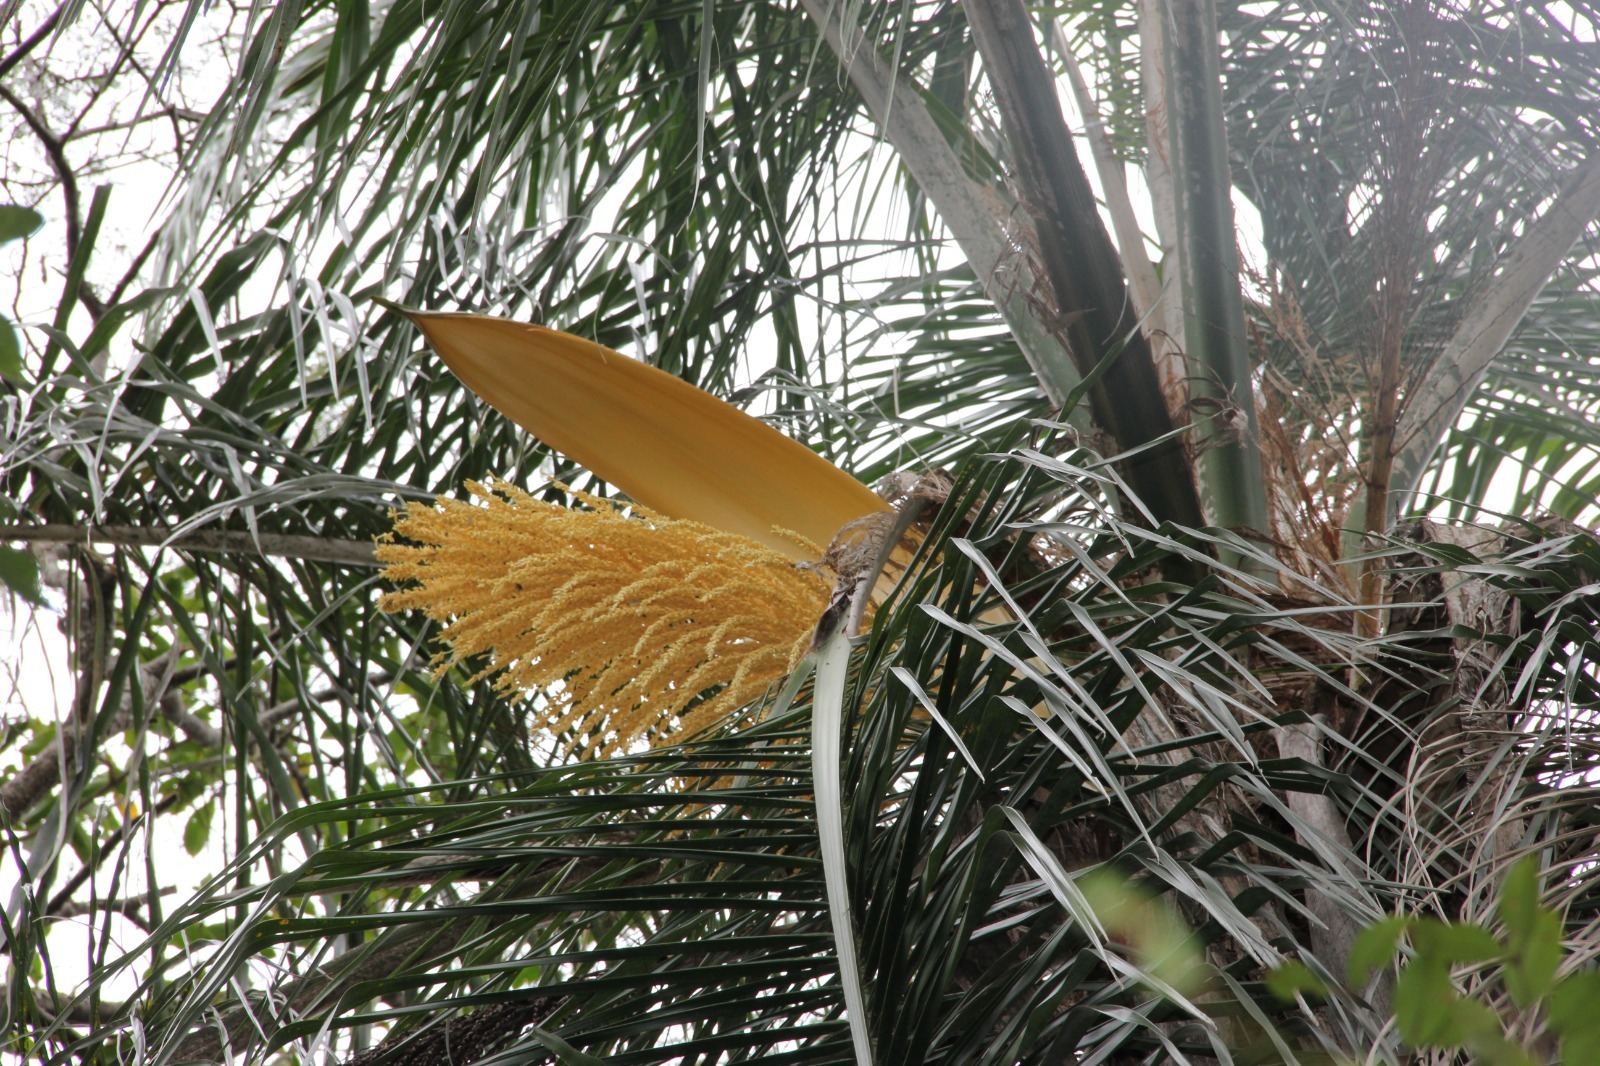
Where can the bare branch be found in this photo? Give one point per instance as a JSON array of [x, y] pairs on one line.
[[34, 781], [75, 1012], [133, 269], [128, 124], [175, 711], [61, 902], [130, 907], [32, 41], [55, 149], [44, 772]]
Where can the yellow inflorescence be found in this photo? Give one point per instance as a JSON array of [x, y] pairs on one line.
[[631, 626]]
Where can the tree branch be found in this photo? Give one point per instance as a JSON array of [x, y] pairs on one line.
[[75, 1012], [61, 903], [193, 729], [313, 549], [130, 907], [32, 41], [127, 124], [55, 148], [133, 269], [29, 785]]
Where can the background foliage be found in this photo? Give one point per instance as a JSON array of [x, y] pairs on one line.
[[210, 422]]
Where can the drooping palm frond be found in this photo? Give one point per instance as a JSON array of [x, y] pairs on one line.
[[669, 903], [1531, 429]]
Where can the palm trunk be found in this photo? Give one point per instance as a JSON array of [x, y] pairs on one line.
[[1227, 434], [1086, 286]]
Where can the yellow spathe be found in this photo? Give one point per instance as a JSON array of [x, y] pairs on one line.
[[631, 627], [676, 449]]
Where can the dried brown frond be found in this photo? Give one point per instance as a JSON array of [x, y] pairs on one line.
[[629, 626], [1305, 416]]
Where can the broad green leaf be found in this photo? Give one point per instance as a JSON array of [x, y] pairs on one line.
[[1161, 942], [1454, 943], [1580, 1047], [19, 571], [1518, 907], [1494, 1049], [82, 843], [1533, 934], [17, 222], [1425, 1005], [1375, 947], [1531, 965], [197, 831], [1474, 1023], [1294, 979], [10, 352], [40, 735], [1575, 1016]]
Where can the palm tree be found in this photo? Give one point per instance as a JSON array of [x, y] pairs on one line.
[[1195, 596]]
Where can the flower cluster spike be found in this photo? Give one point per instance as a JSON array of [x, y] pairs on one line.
[[629, 627]]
